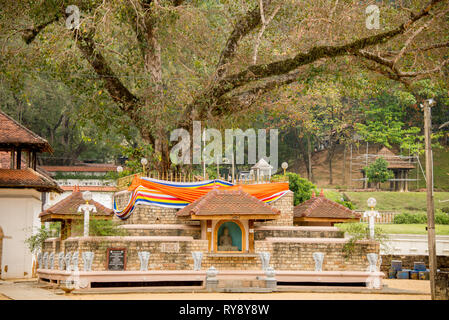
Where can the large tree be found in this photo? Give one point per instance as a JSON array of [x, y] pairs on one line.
[[166, 63]]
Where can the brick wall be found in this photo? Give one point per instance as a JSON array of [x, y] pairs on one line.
[[409, 260], [285, 205], [194, 233], [298, 255], [301, 232]]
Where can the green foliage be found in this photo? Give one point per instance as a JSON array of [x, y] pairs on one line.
[[358, 231], [445, 209], [420, 218], [410, 218], [99, 227], [378, 171], [301, 187], [347, 204], [36, 241]]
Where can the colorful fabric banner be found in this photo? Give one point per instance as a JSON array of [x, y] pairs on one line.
[[148, 191]]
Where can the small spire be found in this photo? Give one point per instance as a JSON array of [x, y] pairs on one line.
[[313, 194], [321, 193]]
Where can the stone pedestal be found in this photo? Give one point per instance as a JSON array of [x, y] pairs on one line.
[[211, 279], [270, 280]]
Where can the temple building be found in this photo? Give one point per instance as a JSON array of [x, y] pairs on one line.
[[320, 211], [67, 214], [22, 186], [209, 235], [399, 166]]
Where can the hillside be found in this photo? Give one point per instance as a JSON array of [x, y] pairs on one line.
[[321, 169]]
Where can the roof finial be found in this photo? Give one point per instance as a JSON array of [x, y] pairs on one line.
[[313, 194], [321, 193]]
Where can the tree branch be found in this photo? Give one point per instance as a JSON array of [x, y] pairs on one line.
[[119, 93], [247, 23], [30, 34]]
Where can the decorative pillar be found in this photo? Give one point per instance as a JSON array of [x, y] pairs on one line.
[[319, 258], [61, 264], [144, 257], [45, 261], [209, 234], [68, 264], [197, 258], [51, 260], [75, 259], [40, 260], [251, 235], [88, 258], [265, 260], [86, 209]]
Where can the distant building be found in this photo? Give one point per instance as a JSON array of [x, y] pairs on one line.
[[21, 187], [89, 177]]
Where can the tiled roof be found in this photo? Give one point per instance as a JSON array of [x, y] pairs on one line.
[[321, 207], [394, 161], [225, 202], [27, 178], [13, 133], [90, 188], [70, 205], [82, 168]]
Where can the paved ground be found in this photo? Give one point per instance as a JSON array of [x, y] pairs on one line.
[[31, 291]]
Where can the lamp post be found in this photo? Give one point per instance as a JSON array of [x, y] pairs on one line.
[[144, 163], [284, 166], [86, 209], [371, 214], [429, 189]]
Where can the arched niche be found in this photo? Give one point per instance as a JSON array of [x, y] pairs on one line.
[[232, 240]]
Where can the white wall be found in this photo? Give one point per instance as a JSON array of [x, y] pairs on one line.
[[19, 211], [105, 198], [414, 244]]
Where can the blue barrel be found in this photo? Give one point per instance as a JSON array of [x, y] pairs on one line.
[[392, 274], [419, 266], [403, 274], [396, 265], [414, 275], [424, 275]]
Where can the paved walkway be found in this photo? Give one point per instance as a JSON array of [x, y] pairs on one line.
[[30, 290], [27, 290]]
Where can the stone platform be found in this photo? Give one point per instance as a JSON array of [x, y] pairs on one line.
[[198, 279]]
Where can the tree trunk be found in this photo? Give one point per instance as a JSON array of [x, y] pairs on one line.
[[309, 161]]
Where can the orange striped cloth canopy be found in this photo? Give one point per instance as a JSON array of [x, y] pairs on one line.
[[260, 191], [149, 191]]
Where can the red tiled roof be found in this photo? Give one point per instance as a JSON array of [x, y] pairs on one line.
[[394, 161], [82, 168], [70, 205], [321, 207], [13, 133], [27, 178], [90, 188], [225, 202]]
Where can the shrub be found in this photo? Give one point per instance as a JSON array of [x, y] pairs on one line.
[[347, 204], [378, 172], [359, 231], [410, 218], [100, 228], [441, 218], [445, 209], [301, 187]]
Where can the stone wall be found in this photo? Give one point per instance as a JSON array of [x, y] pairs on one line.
[[261, 233], [442, 285], [291, 255], [167, 253], [285, 205], [409, 260], [195, 233]]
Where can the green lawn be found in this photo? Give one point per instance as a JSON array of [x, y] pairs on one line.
[[395, 201], [413, 228]]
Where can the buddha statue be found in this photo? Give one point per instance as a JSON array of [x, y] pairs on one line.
[[225, 241]]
